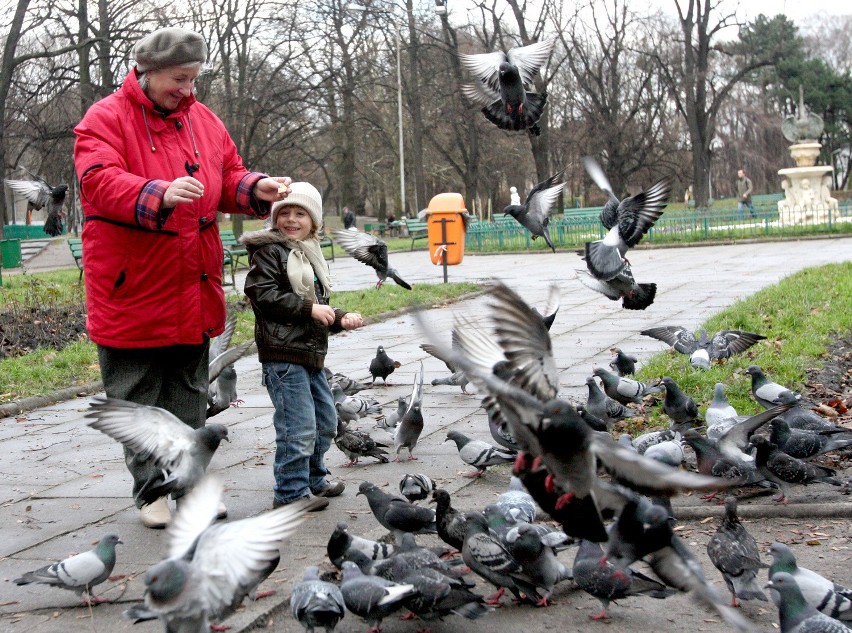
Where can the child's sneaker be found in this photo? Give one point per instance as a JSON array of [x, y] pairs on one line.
[[331, 489]]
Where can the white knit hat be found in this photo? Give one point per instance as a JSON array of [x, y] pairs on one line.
[[305, 195]]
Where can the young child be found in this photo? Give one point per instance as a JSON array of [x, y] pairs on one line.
[[288, 285]]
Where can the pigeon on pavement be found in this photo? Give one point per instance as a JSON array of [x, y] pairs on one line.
[[457, 377], [416, 487], [341, 543], [479, 454], [603, 407], [353, 408], [821, 593], [411, 424], [703, 350], [501, 85], [626, 221], [357, 444], [382, 366], [782, 469], [316, 603], [371, 597], [606, 582], [348, 385], [805, 444], [390, 420], [153, 433], [634, 296], [516, 502], [42, 196], [534, 213], [221, 375], [396, 514], [622, 364], [79, 573], [369, 249], [794, 611], [769, 393], [537, 557], [677, 405], [734, 552], [449, 522], [625, 390]]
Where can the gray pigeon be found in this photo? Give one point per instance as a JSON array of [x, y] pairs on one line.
[[677, 405], [449, 522], [606, 582], [153, 433], [353, 408], [625, 390], [703, 351], [534, 213], [390, 420], [805, 444], [782, 469], [397, 514], [457, 377], [795, 613], [479, 454], [719, 413], [316, 603], [79, 573], [623, 286], [370, 250], [357, 444], [221, 375], [769, 393], [536, 554], [501, 85], [805, 419], [669, 452], [645, 441], [603, 407], [416, 557], [516, 503], [341, 543], [411, 424], [416, 487], [734, 552], [212, 567], [348, 385], [627, 222], [821, 593], [42, 196], [621, 363], [371, 597], [382, 366]]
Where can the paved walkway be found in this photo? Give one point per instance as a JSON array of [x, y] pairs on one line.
[[64, 485]]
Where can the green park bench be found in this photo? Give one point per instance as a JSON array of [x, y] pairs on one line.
[[417, 230], [76, 246], [233, 256]]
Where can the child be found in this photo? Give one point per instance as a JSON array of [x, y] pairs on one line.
[[288, 285]]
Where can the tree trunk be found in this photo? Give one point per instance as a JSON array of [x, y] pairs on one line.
[[415, 109]]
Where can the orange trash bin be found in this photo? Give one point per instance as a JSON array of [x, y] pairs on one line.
[[446, 226]]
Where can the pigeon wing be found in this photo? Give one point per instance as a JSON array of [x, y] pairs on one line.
[[480, 94], [223, 341], [726, 343], [485, 67], [542, 197], [681, 339], [36, 191], [638, 213], [436, 352], [528, 59], [737, 437], [227, 357], [197, 512], [365, 247], [604, 288]]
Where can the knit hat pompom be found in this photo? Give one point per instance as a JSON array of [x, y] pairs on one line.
[[169, 47], [305, 195]]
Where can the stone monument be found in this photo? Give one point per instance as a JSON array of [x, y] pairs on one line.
[[807, 187]]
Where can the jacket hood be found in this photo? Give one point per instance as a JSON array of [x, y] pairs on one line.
[[253, 240]]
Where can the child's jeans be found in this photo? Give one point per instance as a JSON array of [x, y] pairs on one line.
[[305, 422]]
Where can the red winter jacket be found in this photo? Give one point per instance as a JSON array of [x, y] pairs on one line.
[[149, 285]]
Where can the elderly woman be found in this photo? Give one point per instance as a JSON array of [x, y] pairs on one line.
[[154, 167]]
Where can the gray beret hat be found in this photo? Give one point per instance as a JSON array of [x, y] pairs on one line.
[[169, 47]]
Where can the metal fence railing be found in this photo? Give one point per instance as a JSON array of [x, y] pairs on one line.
[[577, 226]]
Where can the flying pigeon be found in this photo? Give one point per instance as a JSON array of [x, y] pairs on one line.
[[341, 544], [357, 444], [411, 424], [501, 85], [606, 582], [677, 405], [733, 551], [805, 444], [450, 523], [371, 597], [626, 220], [221, 375], [213, 566], [396, 514], [821, 593], [79, 573], [623, 286], [153, 433], [457, 377], [769, 393], [703, 350], [479, 454], [796, 614], [42, 196], [782, 469], [603, 407], [382, 366], [622, 364], [534, 213], [369, 249], [416, 487], [316, 603], [551, 307]]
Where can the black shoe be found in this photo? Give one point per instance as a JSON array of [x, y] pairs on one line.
[[317, 504], [332, 489]]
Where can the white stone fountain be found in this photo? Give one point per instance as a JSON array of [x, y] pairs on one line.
[[807, 187]]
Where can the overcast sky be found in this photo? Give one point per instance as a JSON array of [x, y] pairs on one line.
[[796, 10]]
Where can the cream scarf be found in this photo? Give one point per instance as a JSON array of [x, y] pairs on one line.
[[305, 261]]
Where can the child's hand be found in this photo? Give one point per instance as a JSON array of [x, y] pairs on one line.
[[323, 314], [351, 321]]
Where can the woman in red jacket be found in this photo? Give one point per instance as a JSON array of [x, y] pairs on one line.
[[155, 166]]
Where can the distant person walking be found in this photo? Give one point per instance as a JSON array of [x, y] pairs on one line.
[[744, 191], [349, 219]]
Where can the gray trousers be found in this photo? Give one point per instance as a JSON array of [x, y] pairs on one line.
[[173, 378]]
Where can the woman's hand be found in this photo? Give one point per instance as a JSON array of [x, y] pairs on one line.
[[182, 190], [272, 189], [351, 321], [323, 314]]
